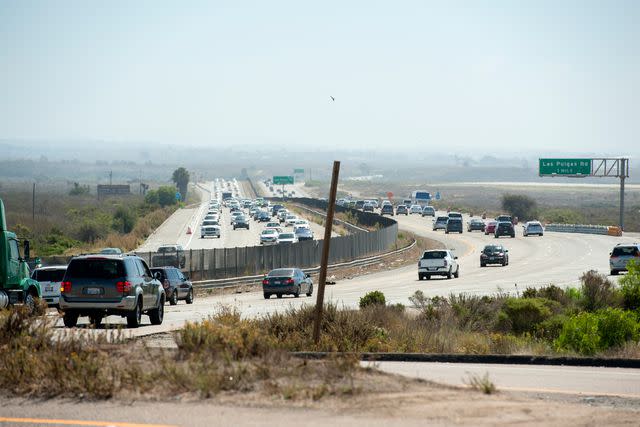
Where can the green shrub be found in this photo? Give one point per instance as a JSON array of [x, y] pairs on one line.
[[123, 220], [372, 298], [550, 292], [587, 333], [519, 205], [550, 329], [151, 198], [166, 195], [598, 292], [630, 286], [524, 314]]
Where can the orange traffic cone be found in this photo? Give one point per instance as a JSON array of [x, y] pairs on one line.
[[188, 230]]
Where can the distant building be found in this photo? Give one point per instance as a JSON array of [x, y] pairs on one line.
[[113, 190]]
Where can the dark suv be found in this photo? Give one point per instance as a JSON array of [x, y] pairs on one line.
[[175, 284], [454, 225], [386, 210], [104, 285], [504, 229]]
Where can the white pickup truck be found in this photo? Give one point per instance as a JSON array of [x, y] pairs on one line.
[[439, 262]]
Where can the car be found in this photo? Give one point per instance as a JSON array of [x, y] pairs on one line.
[[240, 221], [407, 202], [402, 209], [282, 215], [494, 254], [359, 204], [303, 233], [50, 279], [273, 224], [269, 236], [301, 223], [428, 211], [504, 229], [102, 285], [475, 224], [454, 225], [386, 210], [210, 222], [368, 207], [287, 237], [415, 209], [504, 218], [283, 281], [176, 285], [532, 227], [490, 227], [455, 215], [264, 216], [621, 255], [211, 217], [290, 219], [234, 215], [169, 255], [275, 208], [210, 230], [110, 251], [440, 223], [438, 262]]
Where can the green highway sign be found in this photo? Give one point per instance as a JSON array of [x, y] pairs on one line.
[[565, 167], [281, 180], [298, 171]]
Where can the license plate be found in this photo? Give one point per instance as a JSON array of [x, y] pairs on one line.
[[492, 258], [432, 268], [93, 291], [276, 282], [48, 288]]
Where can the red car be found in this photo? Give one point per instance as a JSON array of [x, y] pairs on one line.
[[491, 227]]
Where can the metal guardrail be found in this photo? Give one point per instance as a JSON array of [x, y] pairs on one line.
[[584, 229], [246, 280]]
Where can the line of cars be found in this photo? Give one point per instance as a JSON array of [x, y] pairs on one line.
[[285, 227], [107, 283]]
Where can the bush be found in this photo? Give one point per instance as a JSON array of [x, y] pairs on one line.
[[166, 195], [587, 333], [151, 198], [79, 190], [123, 220], [372, 298], [563, 216], [550, 292], [524, 314], [630, 286], [521, 206], [598, 292]]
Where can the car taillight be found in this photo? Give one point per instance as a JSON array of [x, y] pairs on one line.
[[123, 286], [289, 282], [65, 287], [265, 281]]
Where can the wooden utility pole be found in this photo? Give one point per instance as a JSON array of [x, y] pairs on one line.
[[33, 205], [325, 251]]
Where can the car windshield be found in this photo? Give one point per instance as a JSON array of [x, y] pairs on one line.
[[167, 249], [434, 255], [269, 231], [49, 275], [625, 251], [492, 249], [286, 236], [95, 268], [281, 272]]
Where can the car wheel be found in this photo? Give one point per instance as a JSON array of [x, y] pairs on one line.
[[267, 296], [420, 276], [449, 275], [157, 314], [135, 317], [457, 273], [279, 295], [297, 292], [482, 264], [446, 232], [95, 320], [427, 276], [70, 319], [614, 272], [173, 300], [30, 302], [504, 263], [310, 290]]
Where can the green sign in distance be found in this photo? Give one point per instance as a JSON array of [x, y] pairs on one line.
[[280, 180], [565, 167], [298, 171]]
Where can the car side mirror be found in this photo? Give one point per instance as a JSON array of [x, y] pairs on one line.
[[307, 276], [506, 250], [27, 250], [455, 257]]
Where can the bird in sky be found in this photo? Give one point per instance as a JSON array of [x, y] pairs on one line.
[[332, 98]]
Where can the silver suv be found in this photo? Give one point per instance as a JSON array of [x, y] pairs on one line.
[[621, 255], [104, 285]]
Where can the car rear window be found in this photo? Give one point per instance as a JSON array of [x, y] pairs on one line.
[[96, 268], [492, 249], [625, 251], [281, 272], [434, 255], [49, 275], [286, 235]]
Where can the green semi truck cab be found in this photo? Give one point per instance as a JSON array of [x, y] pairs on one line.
[[16, 286]]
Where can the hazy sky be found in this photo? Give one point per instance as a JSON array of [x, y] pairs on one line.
[[452, 75]]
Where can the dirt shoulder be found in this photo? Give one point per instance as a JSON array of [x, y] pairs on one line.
[[392, 401]]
